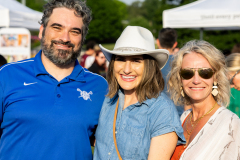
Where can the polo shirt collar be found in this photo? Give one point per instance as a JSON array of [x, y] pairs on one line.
[[76, 75], [39, 69]]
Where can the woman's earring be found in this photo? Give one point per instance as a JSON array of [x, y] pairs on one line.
[[214, 91], [182, 93]]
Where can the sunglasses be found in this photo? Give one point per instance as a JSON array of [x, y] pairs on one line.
[[231, 80], [188, 73]]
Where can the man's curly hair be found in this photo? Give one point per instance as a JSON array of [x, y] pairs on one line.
[[80, 10]]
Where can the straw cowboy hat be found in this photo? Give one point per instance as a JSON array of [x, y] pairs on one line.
[[136, 40]]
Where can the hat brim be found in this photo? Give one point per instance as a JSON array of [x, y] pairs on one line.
[[161, 55]]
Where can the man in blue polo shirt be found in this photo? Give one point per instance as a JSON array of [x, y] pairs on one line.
[[49, 104]]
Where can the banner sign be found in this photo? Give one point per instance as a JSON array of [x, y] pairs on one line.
[[15, 44]]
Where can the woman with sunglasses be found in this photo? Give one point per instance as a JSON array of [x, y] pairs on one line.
[[199, 78], [137, 120], [233, 64]]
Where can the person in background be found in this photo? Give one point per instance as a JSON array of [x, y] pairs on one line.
[[90, 59], [136, 115], [49, 104], [89, 52], [99, 65], [236, 48], [167, 39], [233, 64], [199, 78], [2, 60]]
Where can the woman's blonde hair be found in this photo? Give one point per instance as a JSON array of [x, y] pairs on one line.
[[150, 86], [233, 62], [217, 61]]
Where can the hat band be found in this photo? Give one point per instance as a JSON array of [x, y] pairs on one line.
[[129, 49]]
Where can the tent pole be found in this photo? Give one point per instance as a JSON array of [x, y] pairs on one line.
[[24, 2], [201, 33]]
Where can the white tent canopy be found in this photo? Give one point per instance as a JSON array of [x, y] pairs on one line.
[[204, 14], [14, 14]]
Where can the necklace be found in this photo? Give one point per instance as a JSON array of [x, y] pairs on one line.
[[196, 121], [193, 126], [192, 121], [186, 124]]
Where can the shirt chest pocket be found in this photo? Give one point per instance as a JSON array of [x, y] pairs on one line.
[[130, 141]]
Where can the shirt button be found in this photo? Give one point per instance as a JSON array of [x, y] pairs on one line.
[[109, 153], [58, 95], [116, 132]]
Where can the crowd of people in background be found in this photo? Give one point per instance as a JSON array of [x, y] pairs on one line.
[[132, 102], [93, 59]]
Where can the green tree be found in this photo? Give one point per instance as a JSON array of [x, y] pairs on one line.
[[106, 25], [134, 10], [35, 4], [140, 21], [149, 8], [136, 15]]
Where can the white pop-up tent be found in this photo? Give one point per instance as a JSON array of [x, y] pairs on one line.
[[14, 14], [204, 15]]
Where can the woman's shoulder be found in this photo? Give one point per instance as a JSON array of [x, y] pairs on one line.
[[227, 121], [224, 113], [110, 101], [164, 99], [161, 105], [160, 102]]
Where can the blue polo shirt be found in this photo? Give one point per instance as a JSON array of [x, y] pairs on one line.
[[43, 119]]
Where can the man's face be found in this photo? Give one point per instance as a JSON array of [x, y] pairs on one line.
[[61, 38]]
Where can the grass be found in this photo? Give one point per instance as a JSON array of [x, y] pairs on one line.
[[92, 148], [109, 46]]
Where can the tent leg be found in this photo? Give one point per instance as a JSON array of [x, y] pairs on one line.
[[201, 33], [23, 2]]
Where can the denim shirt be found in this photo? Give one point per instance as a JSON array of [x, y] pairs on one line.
[[135, 126]]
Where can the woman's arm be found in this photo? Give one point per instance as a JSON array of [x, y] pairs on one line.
[[163, 146]]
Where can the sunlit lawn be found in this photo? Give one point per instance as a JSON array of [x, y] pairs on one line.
[[109, 46], [92, 149]]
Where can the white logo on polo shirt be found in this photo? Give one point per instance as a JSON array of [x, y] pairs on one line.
[[84, 94], [26, 84]]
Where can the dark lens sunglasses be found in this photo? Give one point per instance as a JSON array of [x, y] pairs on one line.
[[231, 80], [188, 73]]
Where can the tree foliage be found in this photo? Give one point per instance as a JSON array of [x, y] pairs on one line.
[[106, 25], [136, 16], [35, 4]]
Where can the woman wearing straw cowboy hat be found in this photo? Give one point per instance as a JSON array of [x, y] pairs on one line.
[[137, 120]]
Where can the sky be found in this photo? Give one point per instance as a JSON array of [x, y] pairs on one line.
[[129, 1]]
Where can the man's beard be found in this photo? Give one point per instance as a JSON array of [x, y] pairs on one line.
[[60, 57]]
